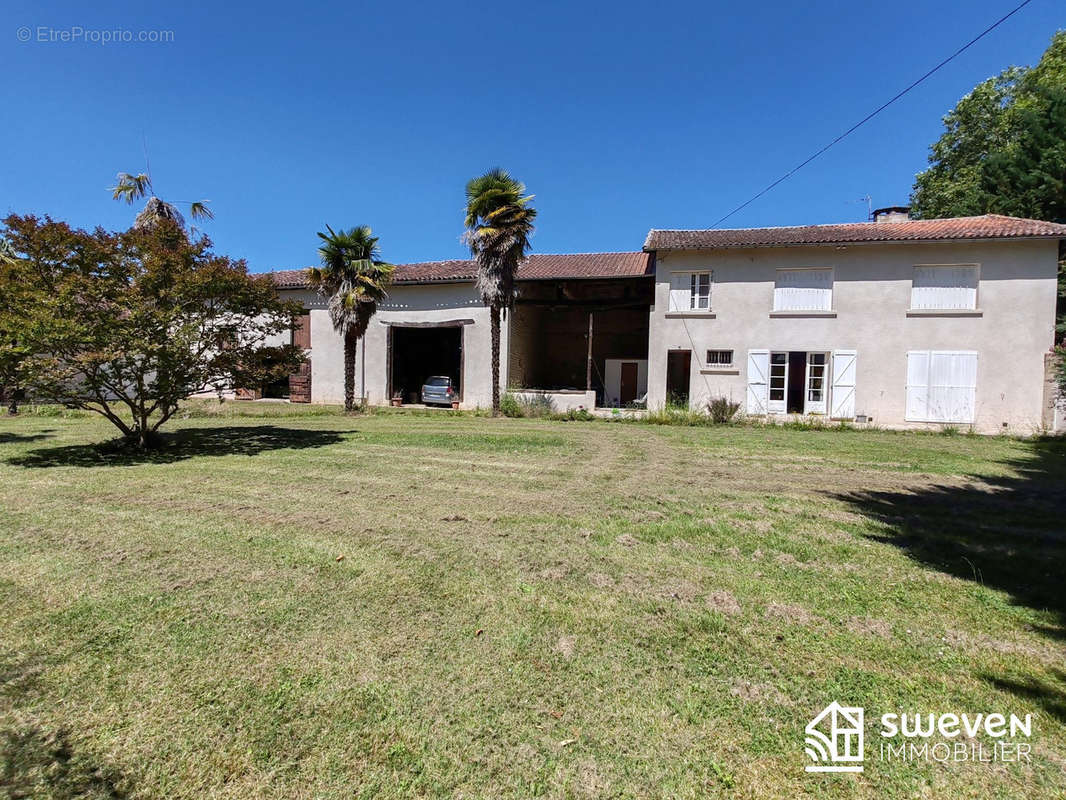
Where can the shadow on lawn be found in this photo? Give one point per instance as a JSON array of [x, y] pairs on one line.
[[38, 762], [1007, 533], [17, 438], [1050, 696], [242, 440]]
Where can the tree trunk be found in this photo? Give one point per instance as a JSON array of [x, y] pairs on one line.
[[350, 341], [14, 395], [494, 313]]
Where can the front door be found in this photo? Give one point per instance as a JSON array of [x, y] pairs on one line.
[[678, 372], [627, 390]]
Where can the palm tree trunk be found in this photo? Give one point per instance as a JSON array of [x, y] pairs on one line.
[[350, 341], [494, 314]]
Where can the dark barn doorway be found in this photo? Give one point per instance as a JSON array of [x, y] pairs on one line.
[[678, 371], [420, 352]]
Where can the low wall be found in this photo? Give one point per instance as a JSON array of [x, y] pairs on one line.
[[562, 399]]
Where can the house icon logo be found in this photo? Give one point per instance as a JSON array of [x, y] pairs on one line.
[[834, 740]]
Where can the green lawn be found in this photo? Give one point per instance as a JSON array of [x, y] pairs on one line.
[[318, 606]]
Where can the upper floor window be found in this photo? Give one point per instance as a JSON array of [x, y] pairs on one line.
[[944, 287], [690, 291], [803, 290]]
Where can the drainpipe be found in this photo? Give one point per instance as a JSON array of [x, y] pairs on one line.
[[362, 371]]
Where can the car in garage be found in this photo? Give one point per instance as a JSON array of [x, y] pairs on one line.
[[439, 390]]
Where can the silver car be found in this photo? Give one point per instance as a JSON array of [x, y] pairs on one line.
[[439, 390]]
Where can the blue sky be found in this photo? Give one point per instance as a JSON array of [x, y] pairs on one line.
[[619, 116]]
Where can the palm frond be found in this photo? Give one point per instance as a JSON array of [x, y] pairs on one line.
[[131, 187], [199, 210], [352, 276]]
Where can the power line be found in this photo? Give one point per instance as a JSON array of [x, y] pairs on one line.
[[877, 111]]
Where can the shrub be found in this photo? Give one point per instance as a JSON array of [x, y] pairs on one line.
[[722, 410], [509, 406], [534, 406], [580, 414]]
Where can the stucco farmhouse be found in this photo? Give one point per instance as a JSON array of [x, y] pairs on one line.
[[898, 322]]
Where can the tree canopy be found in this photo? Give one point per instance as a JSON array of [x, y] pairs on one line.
[[1004, 147], [129, 324]]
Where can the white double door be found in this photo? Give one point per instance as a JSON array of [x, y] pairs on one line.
[[815, 376]]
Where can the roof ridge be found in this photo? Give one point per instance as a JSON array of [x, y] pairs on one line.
[[930, 220]]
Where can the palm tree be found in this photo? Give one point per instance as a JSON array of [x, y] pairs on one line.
[[499, 222], [134, 187], [353, 279]]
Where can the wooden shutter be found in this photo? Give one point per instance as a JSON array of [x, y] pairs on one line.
[[944, 288], [301, 331], [804, 290], [952, 386], [843, 391], [941, 385], [917, 407], [680, 288], [758, 370]]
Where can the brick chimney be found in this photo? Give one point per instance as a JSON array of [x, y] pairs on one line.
[[892, 214]]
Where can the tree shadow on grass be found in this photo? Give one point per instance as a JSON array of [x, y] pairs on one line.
[[180, 445], [41, 762], [1045, 693], [1008, 533], [17, 438]]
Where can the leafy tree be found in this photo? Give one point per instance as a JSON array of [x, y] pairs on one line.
[[499, 222], [1004, 147], [12, 353], [1004, 152], [136, 187], [353, 279], [128, 325]]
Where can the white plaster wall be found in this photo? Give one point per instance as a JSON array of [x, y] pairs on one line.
[[563, 400], [422, 303], [871, 297], [612, 377]]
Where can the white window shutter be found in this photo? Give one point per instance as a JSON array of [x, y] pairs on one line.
[[804, 290], [917, 386], [944, 288], [758, 370], [843, 392], [680, 291]]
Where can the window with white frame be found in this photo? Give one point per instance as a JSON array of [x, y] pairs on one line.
[[809, 289], [941, 385], [719, 358], [944, 287], [690, 291]]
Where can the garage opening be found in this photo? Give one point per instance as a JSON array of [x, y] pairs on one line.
[[418, 353]]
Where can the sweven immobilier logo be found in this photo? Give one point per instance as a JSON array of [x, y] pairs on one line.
[[834, 740]]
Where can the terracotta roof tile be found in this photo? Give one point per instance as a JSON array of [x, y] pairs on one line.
[[989, 226], [538, 266]]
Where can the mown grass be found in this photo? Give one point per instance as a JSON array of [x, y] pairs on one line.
[[313, 605]]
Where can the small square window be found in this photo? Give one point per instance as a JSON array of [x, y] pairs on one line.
[[719, 358]]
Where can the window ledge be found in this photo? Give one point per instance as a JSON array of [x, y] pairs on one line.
[[690, 315], [720, 371], [798, 313], [945, 312]]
